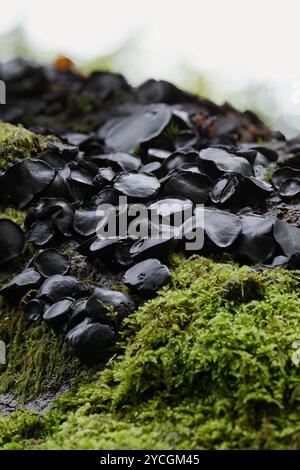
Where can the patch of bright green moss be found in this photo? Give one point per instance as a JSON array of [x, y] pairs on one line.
[[17, 142], [209, 363], [15, 215], [20, 425]]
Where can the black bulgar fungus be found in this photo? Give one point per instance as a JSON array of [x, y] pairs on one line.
[[188, 185], [77, 313], [223, 161], [57, 314], [50, 262], [185, 138], [63, 220], [105, 84], [170, 206], [147, 276], [85, 222], [23, 77], [122, 256], [158, 247], [222, 228], [103, 300], [240, 191], [104, 177], [107, 195], [77, 139], [153, 167], [179, 158], [161, 91], [104, 247], [59, 186], [35, 176], [141, 127], [256, 241], [119, 161], [33, 310], [266, 150], [287, 262], [65, 150], [287, 236], [156, 154], [52, 159], [58, 287], [82, 177], [224, 189], [12, 241], [289, 188], [282, 174], [90, 341], [45, 208], [41, 232], [22, 283], [138, 186]]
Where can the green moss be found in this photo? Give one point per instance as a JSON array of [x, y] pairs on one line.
[[137, 150], [37, 360], [82, 104], [172, 130], [19, 425], [80, 127], [17, 142], [15, 215], [270, 173], [209, 363]]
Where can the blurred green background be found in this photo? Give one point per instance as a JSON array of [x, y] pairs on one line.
[[241, 52]]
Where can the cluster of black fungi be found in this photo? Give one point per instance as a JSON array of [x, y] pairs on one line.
[[156, 145]]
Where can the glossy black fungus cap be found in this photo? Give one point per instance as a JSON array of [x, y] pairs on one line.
[[188, 185], [22, 283], [219, 159], [147, 276], [58, 287], [103, 300], [12, 241], [91, 341], [35, 176], [50, 262], [287, 236], [139, 186], [57, 314], [256, 241], [221, 227], [85, 222], [142, 126], [33, 310]]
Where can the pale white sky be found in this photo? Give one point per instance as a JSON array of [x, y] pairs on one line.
[[234, 42]]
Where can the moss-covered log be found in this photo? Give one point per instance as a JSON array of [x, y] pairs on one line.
[[212, 362]]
